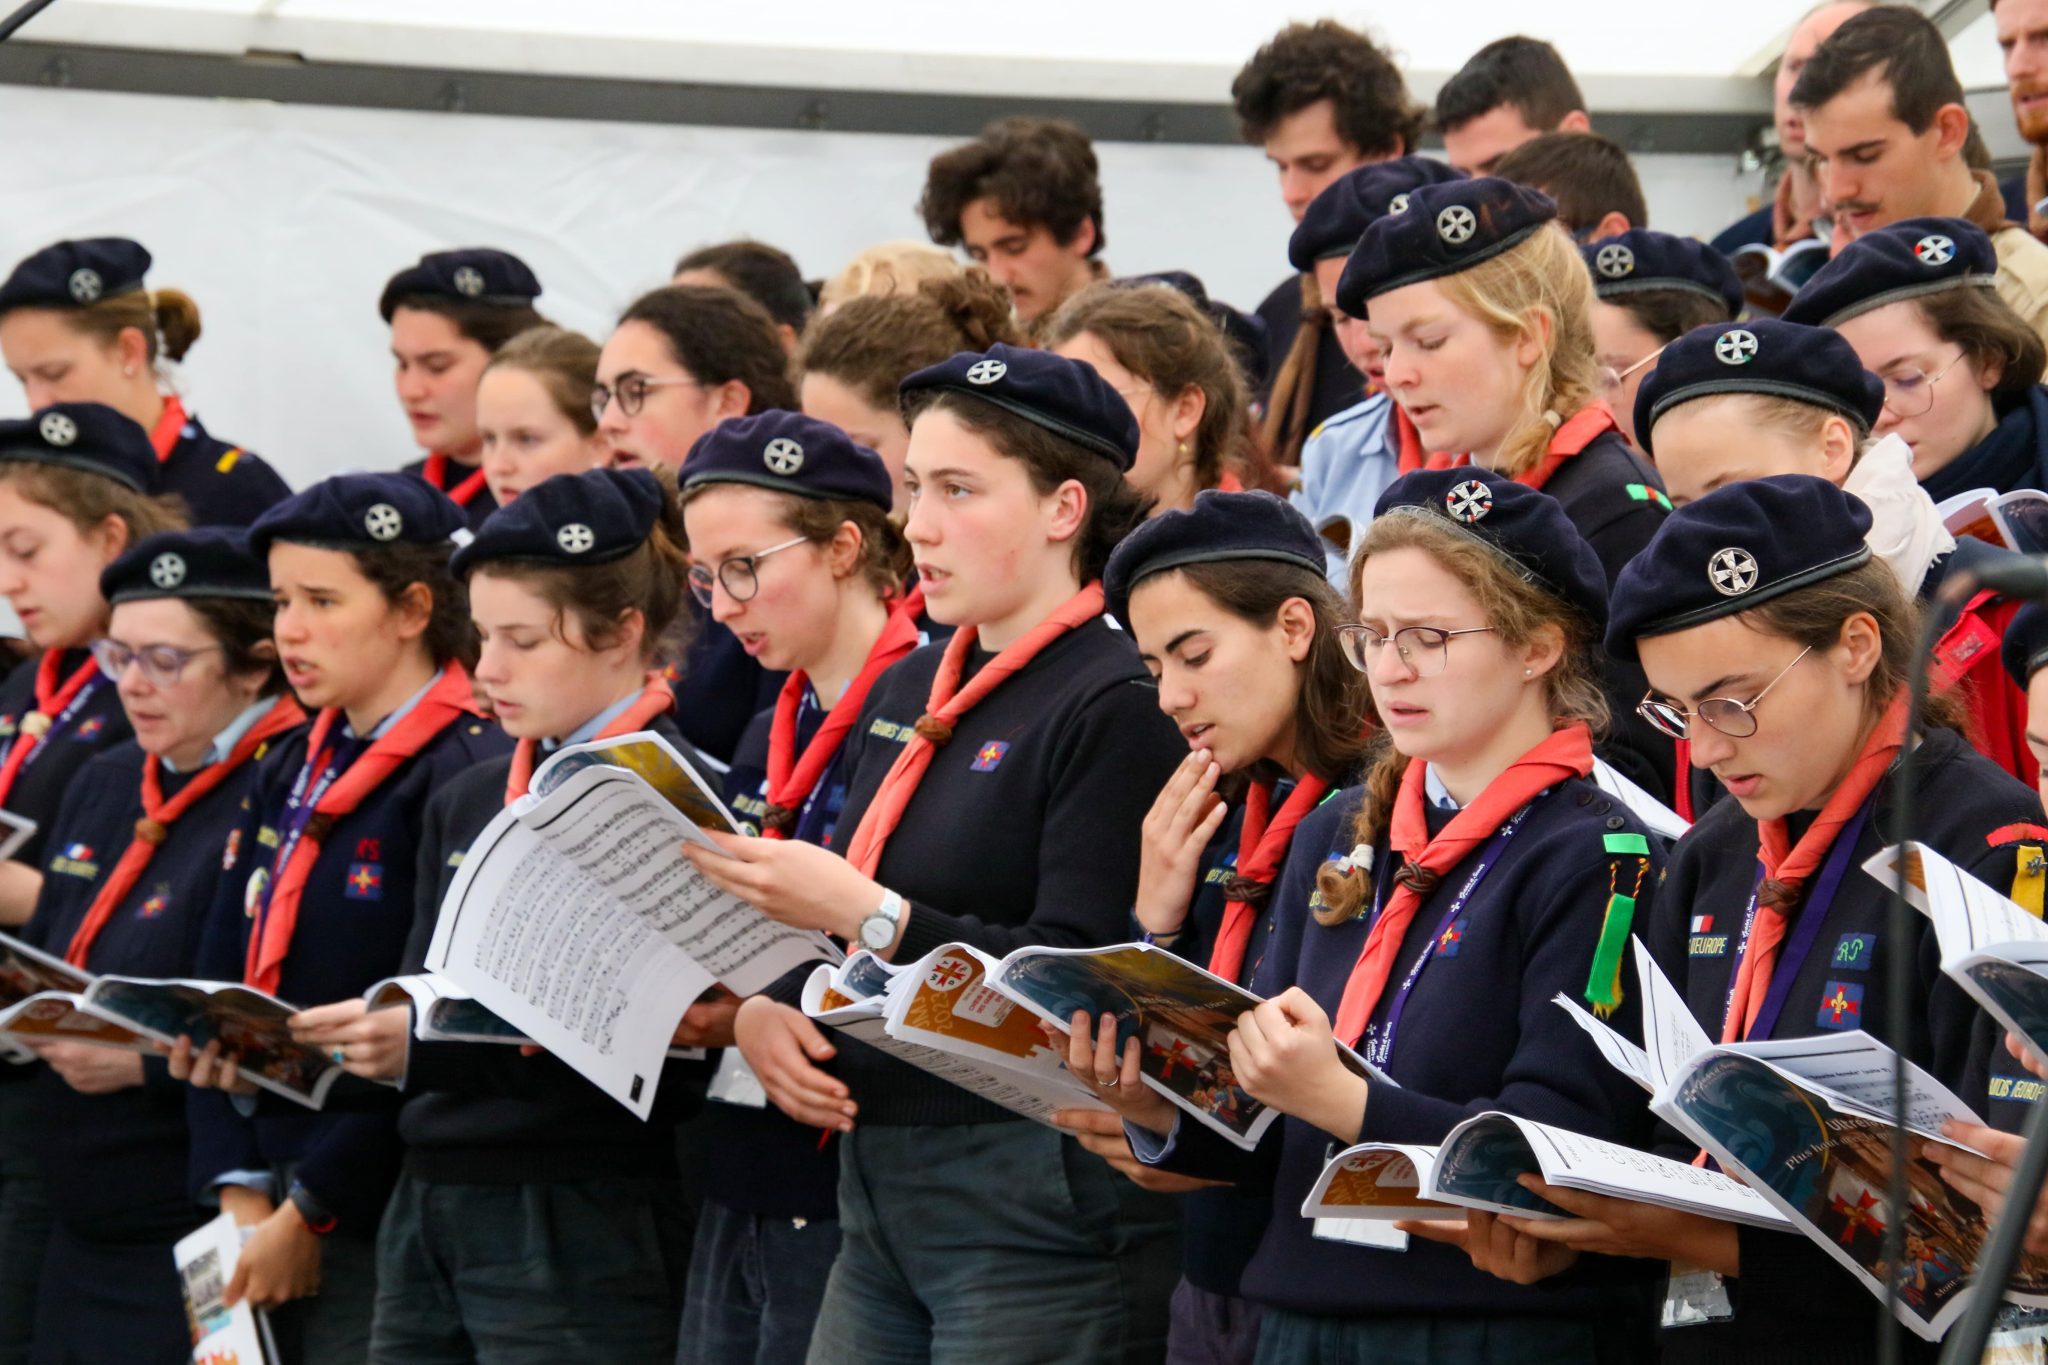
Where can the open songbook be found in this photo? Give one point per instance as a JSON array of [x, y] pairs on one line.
[[443, 1012], [48, 1000], [1181, 1015], [1807, 1123], [576, 919]]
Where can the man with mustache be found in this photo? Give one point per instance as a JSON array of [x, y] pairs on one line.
[[1887, 138], [2023, 38]]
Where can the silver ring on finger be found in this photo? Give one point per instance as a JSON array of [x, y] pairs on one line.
[[1114, 1082]]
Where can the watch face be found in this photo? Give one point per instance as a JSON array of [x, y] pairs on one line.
[[875, 932]]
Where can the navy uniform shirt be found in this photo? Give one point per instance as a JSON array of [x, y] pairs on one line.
[[1025, 829], [480, 1113], [481, 503], [97, 725], [1792, 1301], [2013, 456], [220, 484], [114, 1164], [1479, 1031], [355, 917]]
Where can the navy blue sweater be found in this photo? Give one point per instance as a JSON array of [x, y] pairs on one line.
[[220, 484], [1480, 1031]]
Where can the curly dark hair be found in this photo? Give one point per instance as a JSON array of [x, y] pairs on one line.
[[1040, 172], [1305, 63]]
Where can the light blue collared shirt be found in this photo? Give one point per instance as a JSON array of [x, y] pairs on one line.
[[587, 731], [1346, 464], [1433, 787], [224, 743], [383, 727]]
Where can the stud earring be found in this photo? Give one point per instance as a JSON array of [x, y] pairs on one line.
[[1528, 672]]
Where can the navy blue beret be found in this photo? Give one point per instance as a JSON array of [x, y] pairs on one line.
[[1066, 397], [1351, 203], [1763, 356], [88, 436], [1445, 229], [1526, 526], [1901, 260], [495, 279], [1640, 260], [790, 453], [365, 510], [569, 519], [207, 561], [1219, 527], [2026, 643], [1736, 548], [75, 274]]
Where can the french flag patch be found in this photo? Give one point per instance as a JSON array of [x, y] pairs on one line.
[[1702, 924]]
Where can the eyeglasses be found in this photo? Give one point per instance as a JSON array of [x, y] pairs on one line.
[[162, 665], [737, 575], [1910, 393], [1735, 719], [1423, 648], [1611, 379], [631, 391]]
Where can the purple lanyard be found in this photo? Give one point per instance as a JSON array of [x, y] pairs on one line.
[[63, 718], [1813, 911], [1379, 1040], [299, 807]]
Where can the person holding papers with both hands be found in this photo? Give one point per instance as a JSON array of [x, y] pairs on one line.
[[317, 899], [1429, 918], [189, 650], [996, 786], [797, 556], [531, 1204], [1780, 647], [1235, 619]]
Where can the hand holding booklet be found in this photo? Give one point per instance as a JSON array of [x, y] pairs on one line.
[[576, 919], [221, 1335]]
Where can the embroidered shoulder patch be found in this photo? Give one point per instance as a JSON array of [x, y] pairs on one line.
[[1642, 492]]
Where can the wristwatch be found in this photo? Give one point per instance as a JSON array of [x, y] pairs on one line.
[[878, 930]]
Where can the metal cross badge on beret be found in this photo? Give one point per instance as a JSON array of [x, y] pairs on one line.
[[1735, 348], [58, 429], [167, 570], [1615, 261], [1398, 204], [1732, 571], [1456, 225], [575, 538], [469, 281], [1934, 249], [86, 285], [383, 522], [1469, 501], [784, 456], [986, 371]]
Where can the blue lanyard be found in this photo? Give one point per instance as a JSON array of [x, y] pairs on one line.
[[1811, 914], [57, 724], [1379, 1040]]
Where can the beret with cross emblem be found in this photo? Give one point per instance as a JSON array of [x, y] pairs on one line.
[[361, 511], [207, 561], [1642, 261], [1445, 229], [1354, 201], [1065, 397], [75, 274], [91, 437], [569, 520], [1908, 259], [1762, 356], [475, 275], [790, 453]]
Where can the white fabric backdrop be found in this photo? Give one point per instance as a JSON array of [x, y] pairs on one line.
[[284, 221]]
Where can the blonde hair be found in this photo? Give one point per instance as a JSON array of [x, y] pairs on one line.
[[564, 362], [890, 268], [1516, 610], [168, 320], [1539, 279]]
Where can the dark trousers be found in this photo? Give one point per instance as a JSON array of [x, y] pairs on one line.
[[993, 1244], [1211, 1329], [755, 1286], [24, 1220], [529, 1274], [331, 1327], [103, 1304], [1303, 1339]]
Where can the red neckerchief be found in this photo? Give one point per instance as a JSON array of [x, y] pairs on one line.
[[158, 815], [655, 698], [947, 703], [449, 700], [1261, 848], [51, 700], [1563, 754], [436, 473], [1573, 436], [170, 425], [1786, 867], [791, 779]]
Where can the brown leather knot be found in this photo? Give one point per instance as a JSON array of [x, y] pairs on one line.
[[150, 832], [1772, 894], [780, 818], [1418, 879], [319, 825], [1250, 890], [939, 732]]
